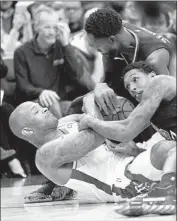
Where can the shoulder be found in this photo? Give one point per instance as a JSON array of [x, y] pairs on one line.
[[159, 54], [25, 47], [159, 86]]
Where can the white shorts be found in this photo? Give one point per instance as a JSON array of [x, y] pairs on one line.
[[142, 163], [95, 173]]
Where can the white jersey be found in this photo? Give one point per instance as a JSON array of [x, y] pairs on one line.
[[97, 172], [100, 175]]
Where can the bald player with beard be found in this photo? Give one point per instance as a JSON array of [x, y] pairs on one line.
[[81, 160]]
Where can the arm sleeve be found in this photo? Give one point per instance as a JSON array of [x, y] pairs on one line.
[[22, 76]]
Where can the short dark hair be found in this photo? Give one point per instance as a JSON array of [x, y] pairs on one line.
[[104, 23], [146, 68]]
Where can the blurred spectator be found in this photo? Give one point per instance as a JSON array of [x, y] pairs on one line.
[[158, 18], [60, 8], [20, 30], [172, 28], [87, 5], [132, 14], [91, 59], [155, 19], [7, 139], [7, 13], [75, 12], [118, 6]]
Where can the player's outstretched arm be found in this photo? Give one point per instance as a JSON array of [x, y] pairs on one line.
[[64, 150], [126, 130]]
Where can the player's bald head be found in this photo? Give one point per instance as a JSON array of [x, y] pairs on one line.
[[20, 118]]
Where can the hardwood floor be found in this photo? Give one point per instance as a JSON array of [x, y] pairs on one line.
[[13, 209]]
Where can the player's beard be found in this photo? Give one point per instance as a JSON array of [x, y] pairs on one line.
[[113, 53]]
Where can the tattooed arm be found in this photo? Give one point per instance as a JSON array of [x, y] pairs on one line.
[[126, 130], [54, 159]]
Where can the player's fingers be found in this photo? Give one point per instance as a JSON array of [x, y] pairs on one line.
[[45, 103], [52, 99], [41, 102], [103, 106], [55, 95], [47, 100], [114, 102], [109, 105]]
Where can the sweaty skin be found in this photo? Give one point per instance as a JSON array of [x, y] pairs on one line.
[[160, 88]]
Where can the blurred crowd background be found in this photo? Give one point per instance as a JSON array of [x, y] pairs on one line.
[[17, 28]]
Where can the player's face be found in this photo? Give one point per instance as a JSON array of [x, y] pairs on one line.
[[47, 28], [135, 81], [42, 118], [106, 46]]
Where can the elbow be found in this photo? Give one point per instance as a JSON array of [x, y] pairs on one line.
[[41, 162]]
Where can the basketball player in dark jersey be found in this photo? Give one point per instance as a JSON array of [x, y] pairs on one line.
[[156, 96], [122, 44]]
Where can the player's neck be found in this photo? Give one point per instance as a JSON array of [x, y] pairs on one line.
[[130, 40], [52, 135]]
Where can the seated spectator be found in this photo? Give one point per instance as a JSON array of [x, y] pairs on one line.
[[7, 139], [40, 64], [75, 12]]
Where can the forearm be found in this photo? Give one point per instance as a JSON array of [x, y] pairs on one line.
[[76, 63], [69, 148], [89, 106], [98, 72], [113, 130], [86, 80]]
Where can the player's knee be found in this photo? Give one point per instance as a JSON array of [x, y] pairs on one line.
[[160, 152], [172, 151]]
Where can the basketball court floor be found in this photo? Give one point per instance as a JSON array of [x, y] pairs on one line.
[[13, 208]]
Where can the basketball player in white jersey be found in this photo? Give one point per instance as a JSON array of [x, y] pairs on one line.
[[80, 160]]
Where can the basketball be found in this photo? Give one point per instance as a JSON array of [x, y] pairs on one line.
[[126, 108]]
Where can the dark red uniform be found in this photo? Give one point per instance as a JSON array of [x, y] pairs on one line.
[[147, 42]]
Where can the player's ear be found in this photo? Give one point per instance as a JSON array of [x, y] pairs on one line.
[[112, 39], [26, 131], [152, 74]]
